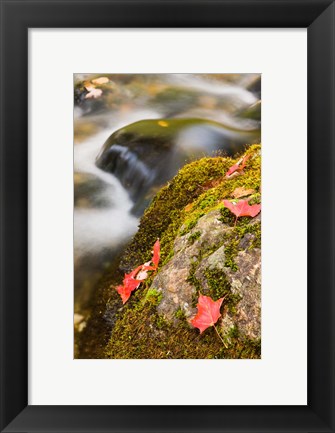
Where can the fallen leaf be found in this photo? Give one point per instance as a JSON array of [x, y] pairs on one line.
[[101, 80], [189, 207], [156, 254], [242, 192], [212, 183], [232, 169], [88, 86], [163, 123], [93, 93], [143, 274], [154, 260], [244, 161], [242, 208], [208, 312], [130, 283], [77, 319], [124, 292], [239, 166], [132, 280]]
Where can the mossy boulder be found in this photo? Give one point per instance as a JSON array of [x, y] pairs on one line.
[[204, 251]]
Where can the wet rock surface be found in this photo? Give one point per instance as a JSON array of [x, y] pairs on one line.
[[146, 154]]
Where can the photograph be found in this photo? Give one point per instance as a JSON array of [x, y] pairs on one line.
[[167, 216]]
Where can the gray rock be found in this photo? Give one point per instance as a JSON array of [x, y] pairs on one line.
[[172, 279], [246, 282], [178, 292]]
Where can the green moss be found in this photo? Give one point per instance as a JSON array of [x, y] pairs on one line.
[[161, 323], [253, 229], [227, 217], [241, 227], [153, 296], [218, 284], [255, 199], [240, 348], [180, 314], [219, 287], [194, 236], [191, 222], [192, 279], [231, 250], [207, 202], [233, 333]]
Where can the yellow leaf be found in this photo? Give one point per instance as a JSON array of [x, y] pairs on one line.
[[242, 192], [100, 80]]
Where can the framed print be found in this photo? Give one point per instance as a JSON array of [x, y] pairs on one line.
[[167, 216], [185, 346]]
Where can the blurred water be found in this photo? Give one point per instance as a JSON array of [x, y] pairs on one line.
[[102, 219]]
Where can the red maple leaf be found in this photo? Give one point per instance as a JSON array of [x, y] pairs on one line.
[[242, 208], [208, 312], [124, 292], [239, 166], [130, 283], [132, 280], [156, 254], [155, 258]]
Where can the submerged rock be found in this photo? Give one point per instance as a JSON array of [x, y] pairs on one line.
[[146, 154], [92, 192], [253, 112]]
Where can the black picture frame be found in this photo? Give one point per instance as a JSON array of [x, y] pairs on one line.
[[318, 16]]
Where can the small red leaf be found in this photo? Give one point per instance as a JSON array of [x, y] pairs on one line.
[[244, 162], [132, 280], [156, 254], [242, 208], [132, 274], [130, 283], [124, 292], [208, 312], [232, 169], [239, 166]]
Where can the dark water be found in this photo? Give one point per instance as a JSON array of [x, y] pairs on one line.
[[119, 164]]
